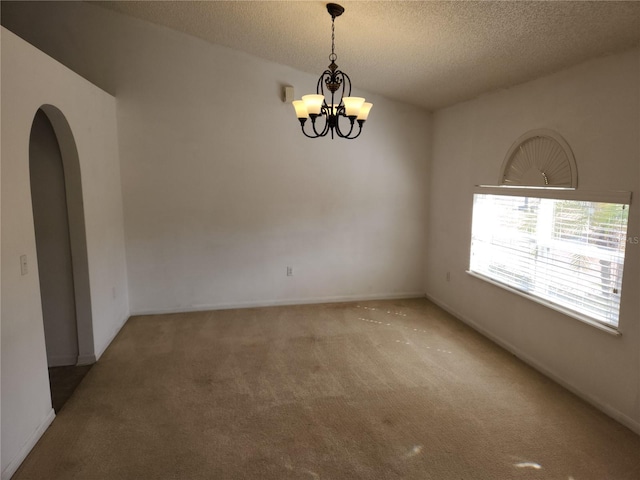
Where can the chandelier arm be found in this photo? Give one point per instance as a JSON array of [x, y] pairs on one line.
[[328, 125], [348, 135], [307, 135], [302, 123], [360, 123], [325, 129], [313, 127], [339, 130], [319, 86], [345, 83]]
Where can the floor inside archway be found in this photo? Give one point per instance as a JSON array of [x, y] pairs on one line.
[[63, 381]]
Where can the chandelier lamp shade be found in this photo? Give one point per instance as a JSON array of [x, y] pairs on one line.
[[332, 100]]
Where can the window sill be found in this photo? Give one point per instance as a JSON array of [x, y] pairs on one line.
[[582, 318]]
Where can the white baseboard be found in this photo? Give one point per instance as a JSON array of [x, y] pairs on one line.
[[106, 344], [15, 463], [61, 360], [275, 303], [607, 409], [86, 360]]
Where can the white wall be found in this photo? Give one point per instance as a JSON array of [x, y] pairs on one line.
[[29, 80], [596, 108], [221, 190]]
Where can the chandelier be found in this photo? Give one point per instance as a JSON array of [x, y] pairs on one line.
[[337, 84]]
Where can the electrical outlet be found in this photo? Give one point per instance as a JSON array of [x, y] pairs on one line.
[[448, 276], [289, 271]]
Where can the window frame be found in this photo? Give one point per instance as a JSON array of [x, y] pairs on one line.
[[556, 193]]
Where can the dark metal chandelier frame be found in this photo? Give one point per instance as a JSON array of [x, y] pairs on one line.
[[338, 85]]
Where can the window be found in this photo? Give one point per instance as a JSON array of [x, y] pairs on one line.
[[561, 246]]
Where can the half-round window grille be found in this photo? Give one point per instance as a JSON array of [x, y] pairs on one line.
[[540, 158]]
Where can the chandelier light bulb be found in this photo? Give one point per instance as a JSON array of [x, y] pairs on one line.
[[301, 109], [313, 103], [352, 105], [364, 111]]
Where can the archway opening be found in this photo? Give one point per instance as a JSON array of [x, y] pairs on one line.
[[58, 217]]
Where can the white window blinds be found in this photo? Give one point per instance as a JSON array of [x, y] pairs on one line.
[[565, 251]]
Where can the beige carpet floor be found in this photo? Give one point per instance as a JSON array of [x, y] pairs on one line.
[[370, 390]]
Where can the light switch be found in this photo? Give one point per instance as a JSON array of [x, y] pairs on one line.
[[23, 265]]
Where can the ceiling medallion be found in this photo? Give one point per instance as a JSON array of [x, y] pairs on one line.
[[337, 84]]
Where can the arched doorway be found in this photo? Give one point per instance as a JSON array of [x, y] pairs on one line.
[[58, 216]]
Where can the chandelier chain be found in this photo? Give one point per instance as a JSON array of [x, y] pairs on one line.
[[333, 55]]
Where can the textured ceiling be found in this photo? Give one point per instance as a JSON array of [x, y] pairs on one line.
[[430, 54]]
